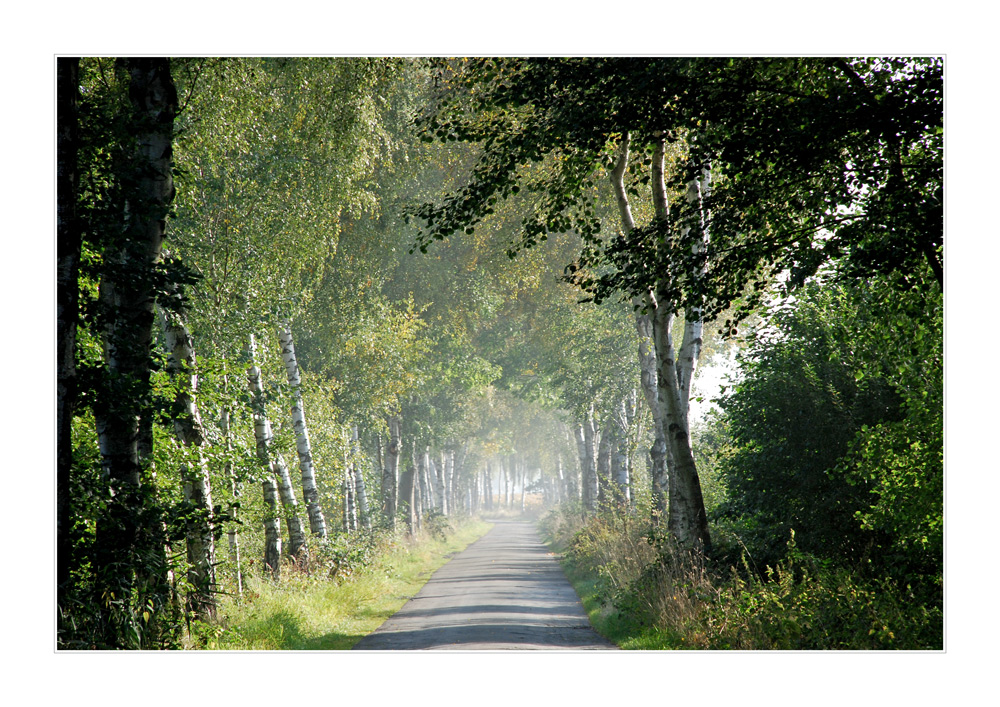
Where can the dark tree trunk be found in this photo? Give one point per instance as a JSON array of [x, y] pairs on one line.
[[130, 533], [69, 240]]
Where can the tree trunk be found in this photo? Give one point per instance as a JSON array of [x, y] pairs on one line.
[[130, 541], [445, 468], [427, 489], [310, 494], [69, 239], [688, 521], [272, 527], [618, 428], [589, 473], [644, 307], [562, 490], [390, 475], [274, 463], [359, 481], [604, 465], [524, 482], [488, 487], [406, 497], [350, 499], [194, 471], [262, 436], [234, 488]]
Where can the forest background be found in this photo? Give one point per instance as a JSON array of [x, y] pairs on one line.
[[971, 254]]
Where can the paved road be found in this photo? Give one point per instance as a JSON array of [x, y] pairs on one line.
[[503, 592]]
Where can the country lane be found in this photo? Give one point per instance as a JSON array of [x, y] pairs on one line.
[[503, 592]]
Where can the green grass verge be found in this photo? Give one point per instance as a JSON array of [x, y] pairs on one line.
[[308, 613], [606, 619]]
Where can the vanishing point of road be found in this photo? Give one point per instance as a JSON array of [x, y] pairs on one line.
[[504, 592]]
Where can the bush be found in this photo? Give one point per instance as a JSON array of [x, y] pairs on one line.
[[665, 597]]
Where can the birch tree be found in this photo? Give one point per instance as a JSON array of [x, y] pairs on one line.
[[317, 524], [390, 475], [278, 481], [200, 536], [359, 480], [234, 489]]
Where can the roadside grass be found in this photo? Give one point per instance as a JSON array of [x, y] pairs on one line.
[[311, 612], [657, 598]]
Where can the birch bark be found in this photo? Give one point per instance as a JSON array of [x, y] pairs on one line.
[[234, 488], [310, 494], [488, 487], [643, 307], [604, 463], [274, 462], [406, 496], [359, 481], [590, 482], [427, 489], [187, 426], [449, 478], [262, 437], [617, 430], [350, 494], [688, 521], [390, 476]]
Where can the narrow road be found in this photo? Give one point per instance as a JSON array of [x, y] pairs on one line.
[[503, 592]]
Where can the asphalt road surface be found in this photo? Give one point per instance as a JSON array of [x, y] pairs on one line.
[[504, 592]]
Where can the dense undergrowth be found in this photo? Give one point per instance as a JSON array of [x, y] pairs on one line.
[[642, 593], [341, 594]]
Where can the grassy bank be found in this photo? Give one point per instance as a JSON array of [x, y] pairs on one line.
[[308, 611], [642, 594]]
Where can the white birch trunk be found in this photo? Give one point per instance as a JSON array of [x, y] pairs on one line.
[[562, 492], [310, 494], [272, 528], [359, 481], [688, 521], [234, 488], [590, 483], [436, 471], [406, 496], [618, 431], [427, 498], [524, 482], [604, 463], [647, 358], [187, 426], [262, 436], [488, 487], [390, 476], [275, 462], [449, 478], [350, 500]]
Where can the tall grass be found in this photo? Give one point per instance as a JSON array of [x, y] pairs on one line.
[[331, 605], [644, 593]]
